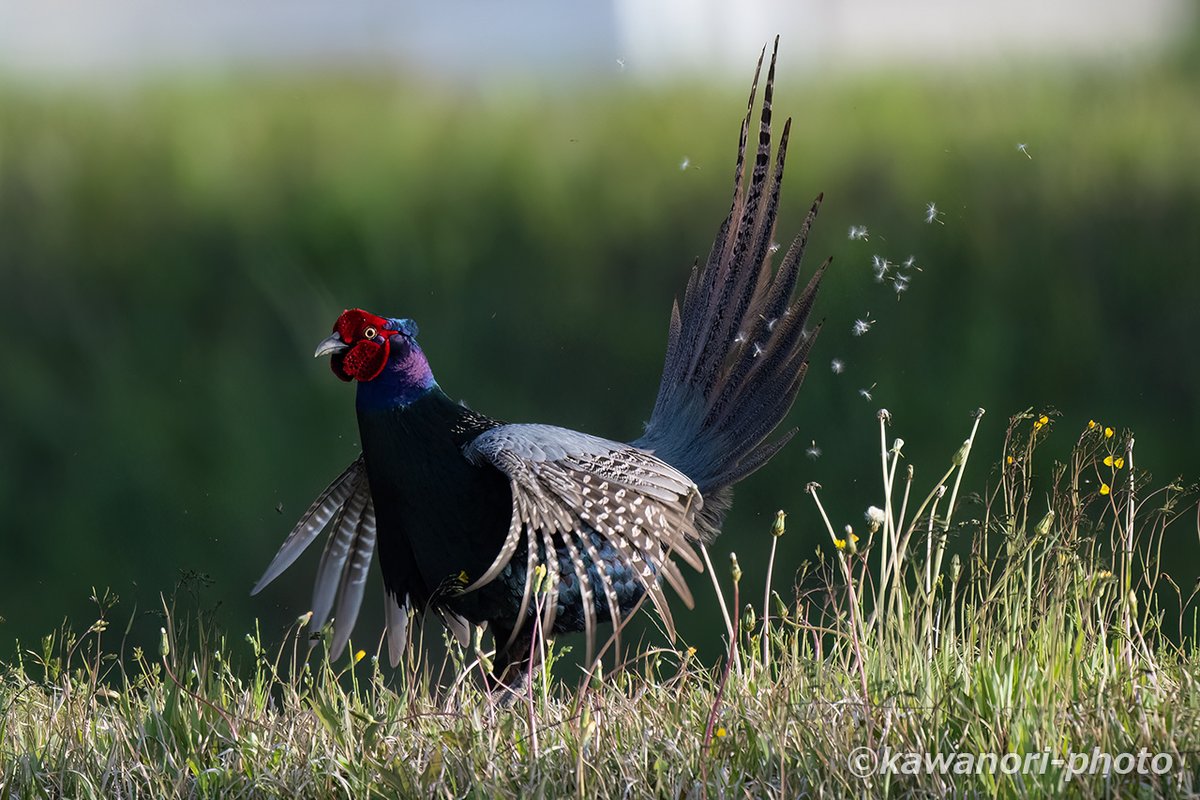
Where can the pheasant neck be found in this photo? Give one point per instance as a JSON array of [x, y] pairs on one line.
[[406, 378]]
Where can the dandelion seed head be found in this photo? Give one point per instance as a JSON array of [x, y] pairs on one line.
[[874, 515]]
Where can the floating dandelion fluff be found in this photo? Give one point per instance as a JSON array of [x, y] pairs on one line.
[[838, 366], [866, 393], [880, 266], [863, 325], [932, 214], [813, 451], [683, 165], [1024, 148], [859, 233]]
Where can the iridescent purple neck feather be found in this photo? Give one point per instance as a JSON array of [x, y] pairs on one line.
[[404, 379]]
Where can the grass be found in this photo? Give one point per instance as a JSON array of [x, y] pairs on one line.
[[1029, 617]]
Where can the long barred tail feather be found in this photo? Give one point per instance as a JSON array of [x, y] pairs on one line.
[[738, 345]]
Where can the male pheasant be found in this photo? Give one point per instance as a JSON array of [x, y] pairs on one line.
[[466, 510]]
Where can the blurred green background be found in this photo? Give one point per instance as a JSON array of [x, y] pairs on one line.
[[171, 251]]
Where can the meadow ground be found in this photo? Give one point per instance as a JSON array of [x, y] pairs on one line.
[[1028, 620]]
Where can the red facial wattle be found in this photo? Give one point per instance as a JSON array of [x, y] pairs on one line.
[[366, 360], [366, 357]]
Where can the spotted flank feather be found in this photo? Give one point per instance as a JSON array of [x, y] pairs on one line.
[[567, 486]]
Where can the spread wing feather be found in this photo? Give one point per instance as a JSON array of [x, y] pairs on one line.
[[346, 510], [569, 486]]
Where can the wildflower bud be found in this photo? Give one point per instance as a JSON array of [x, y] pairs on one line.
[[781, 610], [1043, 527], [735, 568], [304, 619], [961, 455], [164, 644], [749, 618], [896, 445], [955, 568], [359, 656], [1133, 602], [978, 413], [539, 578], [597, 678], [778, 528]]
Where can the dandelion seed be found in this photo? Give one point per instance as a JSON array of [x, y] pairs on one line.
[[859, 233], [932, 215], [911, 263], [683, 165], [621, 64], [880, 267], [838, 366], [900, 284], [866, 393], [863, 325], [758, 350], [773, 247], [813, 451], [1024, 148]]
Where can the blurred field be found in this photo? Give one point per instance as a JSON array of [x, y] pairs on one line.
[[170, 255]]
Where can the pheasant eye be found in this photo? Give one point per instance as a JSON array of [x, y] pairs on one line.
[[370, 333]]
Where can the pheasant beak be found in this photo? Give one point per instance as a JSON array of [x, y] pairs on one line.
[[328, 347]]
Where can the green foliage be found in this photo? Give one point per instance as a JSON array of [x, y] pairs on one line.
[[1042, 637], [172, 253]]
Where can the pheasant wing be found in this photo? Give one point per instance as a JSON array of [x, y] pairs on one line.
[[568, 489]]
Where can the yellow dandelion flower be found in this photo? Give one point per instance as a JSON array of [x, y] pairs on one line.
[[1108, 461], [359, 656], [1092, 424], [721, 733], [1010, 459], [1104, 488], [1119, 462], [840, 544], [1108, 433]]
